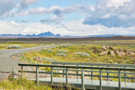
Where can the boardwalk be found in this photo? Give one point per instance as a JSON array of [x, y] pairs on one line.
[[85, 77], [88, 83]]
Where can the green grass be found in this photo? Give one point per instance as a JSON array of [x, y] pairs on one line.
[[21, 44], [22, 84], [68, 54]]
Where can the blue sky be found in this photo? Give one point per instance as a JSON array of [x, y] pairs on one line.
[[68, 17], [49, 4]]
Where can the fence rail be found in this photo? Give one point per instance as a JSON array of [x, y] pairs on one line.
[[122, 74], [94, 64]]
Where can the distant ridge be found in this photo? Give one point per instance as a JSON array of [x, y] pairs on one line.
[[89, 36], [105, 35], [50, 34], [44, 34]]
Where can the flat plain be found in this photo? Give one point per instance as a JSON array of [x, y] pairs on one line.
[[118, 50]]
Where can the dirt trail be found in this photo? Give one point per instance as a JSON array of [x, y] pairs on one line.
[[8, 64]]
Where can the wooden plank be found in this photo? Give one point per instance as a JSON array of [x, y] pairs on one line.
[[128, 73], [88, 82], [78, 68], [104, 76]]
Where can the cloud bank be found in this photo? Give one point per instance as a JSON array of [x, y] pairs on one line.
[[105, 17], [74, 28]]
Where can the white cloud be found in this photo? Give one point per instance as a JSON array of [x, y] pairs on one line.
[[113, 3], [26, 3], [75, 28], [113, 13], [29, 1], [12, 7], [111, 16], [118, 7], [6, 6]]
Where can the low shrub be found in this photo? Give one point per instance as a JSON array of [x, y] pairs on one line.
[[82, 54]]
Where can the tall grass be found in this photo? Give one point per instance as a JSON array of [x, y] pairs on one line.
[[24, 84], [21, 84], [71, 55]]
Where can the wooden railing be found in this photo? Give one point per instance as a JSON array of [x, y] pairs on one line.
[[122, 74], [95, 64]]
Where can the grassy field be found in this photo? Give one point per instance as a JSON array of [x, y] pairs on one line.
[[93, 52], [17, 45], [22, 84], [84, 53]]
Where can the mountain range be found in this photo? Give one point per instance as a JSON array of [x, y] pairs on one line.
[[45, 34], [50, 34]]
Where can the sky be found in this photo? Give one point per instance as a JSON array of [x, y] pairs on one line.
[[68, 17]]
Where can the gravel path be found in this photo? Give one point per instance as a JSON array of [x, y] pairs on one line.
[[9, 64]]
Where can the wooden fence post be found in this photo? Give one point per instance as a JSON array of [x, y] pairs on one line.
[[107, 75], [51, 75], [119, 81], [77, 72], [91, 74], [125, 77], [63, 70], [100, 79], [66, 75], [82, 80], [37, 75], [21, 72]]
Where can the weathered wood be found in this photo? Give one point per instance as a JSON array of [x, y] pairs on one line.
[[86, 71], [89, 83], [96, 64], [92, 75], [119, 79], [63, 71], [82, 80], [100, 79], [37, 75], [77, 72], [80, 67], [21, 71], [125, 77], [107, 76], [94, 71], [104, 76], [66, 75], [51, 75]]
